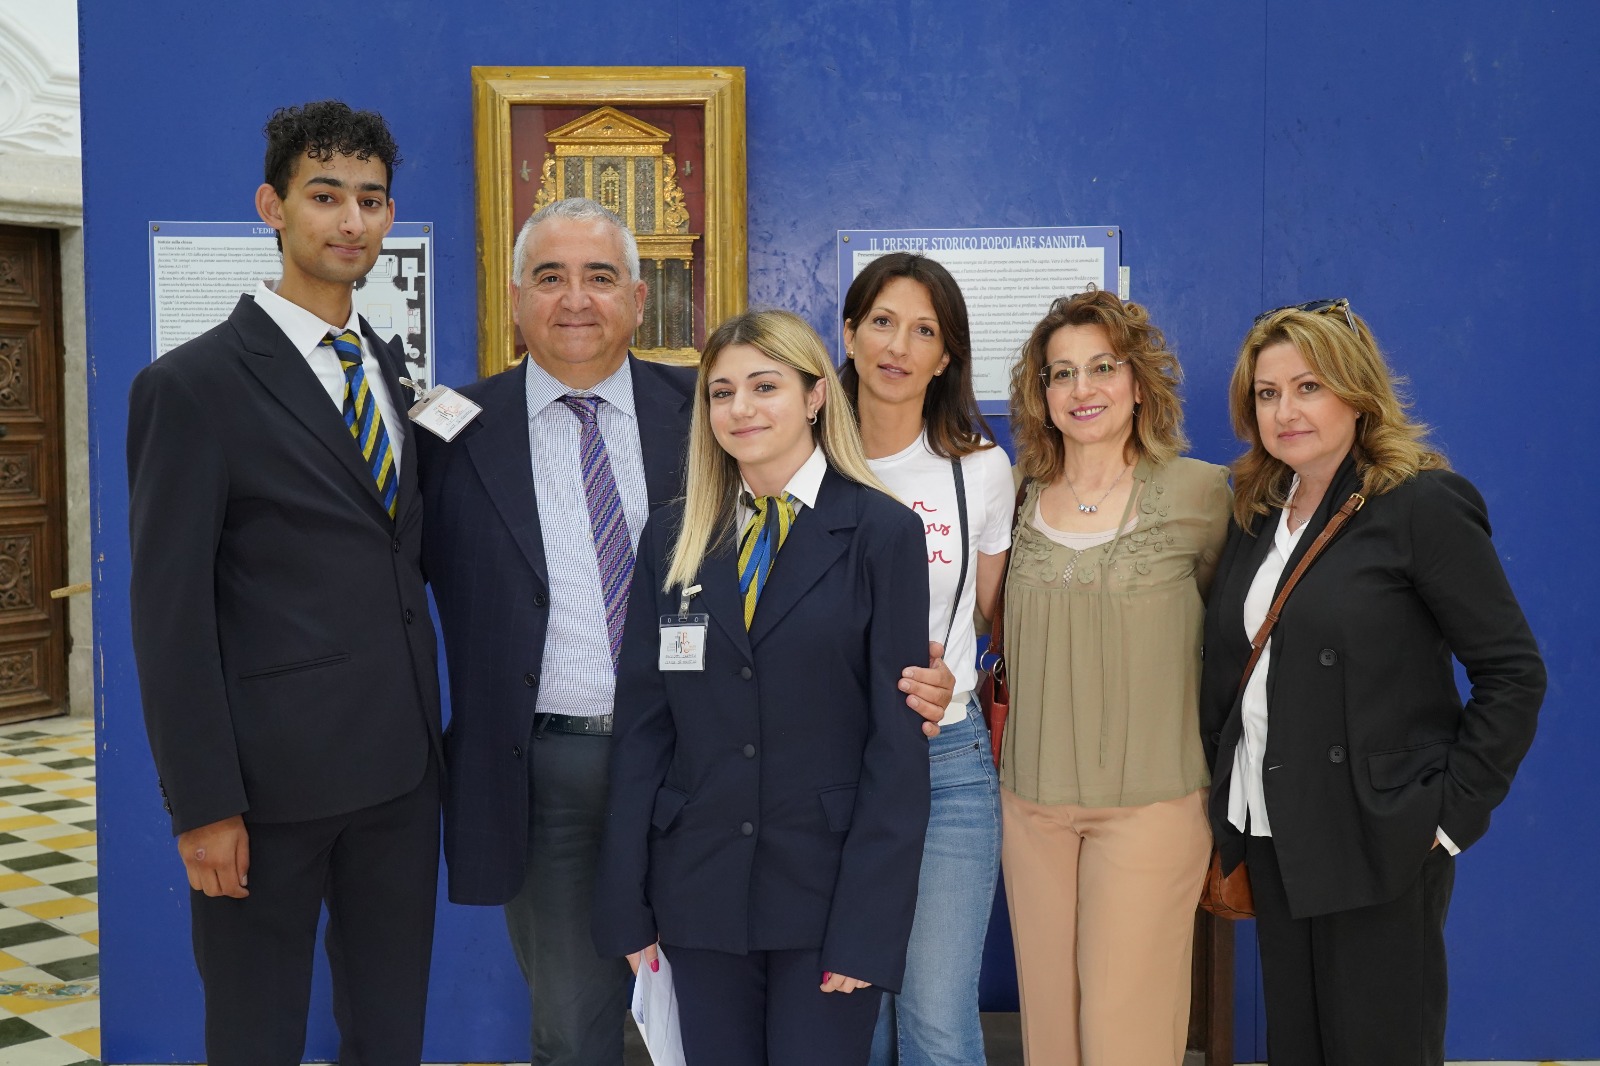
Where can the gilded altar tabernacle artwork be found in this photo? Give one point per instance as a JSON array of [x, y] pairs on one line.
[[663, 147]]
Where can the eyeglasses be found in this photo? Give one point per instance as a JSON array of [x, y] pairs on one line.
[[1065, 375], [1315, 307]]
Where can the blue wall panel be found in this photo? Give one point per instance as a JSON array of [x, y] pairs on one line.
[[1255, 154], [1433, 171]]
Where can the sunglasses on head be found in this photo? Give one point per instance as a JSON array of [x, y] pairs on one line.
[[1314, 307]]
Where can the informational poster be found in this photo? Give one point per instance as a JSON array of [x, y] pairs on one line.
[[198, 270], [1008, 276]]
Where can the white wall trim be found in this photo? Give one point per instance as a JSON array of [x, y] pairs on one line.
[[38, 98]]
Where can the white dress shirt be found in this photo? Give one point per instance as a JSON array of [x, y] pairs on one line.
[[803, 486], [305, 332], [577, 676], [1246, 795]]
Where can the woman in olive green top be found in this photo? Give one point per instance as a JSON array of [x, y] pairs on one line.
[[1102, 774]]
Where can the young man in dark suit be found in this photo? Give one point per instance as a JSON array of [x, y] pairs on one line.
[[533, 514], [280, 622]]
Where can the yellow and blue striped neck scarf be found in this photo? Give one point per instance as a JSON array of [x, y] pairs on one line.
[[763, 535]]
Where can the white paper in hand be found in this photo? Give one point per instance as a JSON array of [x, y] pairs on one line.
[[655, 1009]]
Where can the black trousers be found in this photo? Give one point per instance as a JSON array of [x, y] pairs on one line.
[[377, 869], [1364, 987], [580, 1000], [767, 1009]]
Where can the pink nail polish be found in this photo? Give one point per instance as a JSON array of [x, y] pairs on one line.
[[655, 965], [826, 976]]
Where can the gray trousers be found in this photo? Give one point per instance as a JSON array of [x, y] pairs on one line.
[[579, 999]]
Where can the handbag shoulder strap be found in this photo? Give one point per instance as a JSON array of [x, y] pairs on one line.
[[997, 625], [961, 518], [1336, 523]]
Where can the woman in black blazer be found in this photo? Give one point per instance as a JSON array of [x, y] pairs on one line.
[[1349, 773], [769, 797]]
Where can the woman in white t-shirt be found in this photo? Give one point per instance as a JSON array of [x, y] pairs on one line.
[[909, 375]]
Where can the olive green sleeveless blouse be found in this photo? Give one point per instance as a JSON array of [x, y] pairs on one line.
[[1103, 646]]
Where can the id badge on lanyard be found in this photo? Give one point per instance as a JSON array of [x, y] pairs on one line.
[[683, 636], [441, 410]]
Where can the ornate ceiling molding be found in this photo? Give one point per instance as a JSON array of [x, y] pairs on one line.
[[38, 99]]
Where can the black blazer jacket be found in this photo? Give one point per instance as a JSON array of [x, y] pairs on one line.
[[280, 623], [778, 798], [484, 557], [1370, 748]]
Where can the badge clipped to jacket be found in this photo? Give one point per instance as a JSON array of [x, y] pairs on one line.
[[683, 636], [441, 410]]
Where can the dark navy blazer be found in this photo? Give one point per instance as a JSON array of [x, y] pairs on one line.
[[484, 558], [286, 657], [778, 798]]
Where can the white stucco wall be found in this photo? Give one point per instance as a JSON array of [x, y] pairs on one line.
[[41, 184]]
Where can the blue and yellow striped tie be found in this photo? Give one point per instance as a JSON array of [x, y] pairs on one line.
[[764, 534], [363, 419]]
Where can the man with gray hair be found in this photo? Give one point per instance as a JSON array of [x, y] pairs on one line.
[[533, 512]]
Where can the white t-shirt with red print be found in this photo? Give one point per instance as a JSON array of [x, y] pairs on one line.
[[925, 482]]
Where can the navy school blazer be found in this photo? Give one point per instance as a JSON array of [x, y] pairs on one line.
[[777, 799], [286, 657]]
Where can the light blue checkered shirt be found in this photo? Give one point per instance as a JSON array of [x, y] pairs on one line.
[[577, 677]]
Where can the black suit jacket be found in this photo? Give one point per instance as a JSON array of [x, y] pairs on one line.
[[485, 560], [286, 656], [778, 798], [1370, 748]]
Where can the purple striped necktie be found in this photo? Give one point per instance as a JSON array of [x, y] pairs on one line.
[[613, 550]]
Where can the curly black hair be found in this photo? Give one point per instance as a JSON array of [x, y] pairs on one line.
[[322, 130]]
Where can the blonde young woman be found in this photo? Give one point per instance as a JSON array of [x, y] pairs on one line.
[[769, 785], [1102, 775], [1350, 773]]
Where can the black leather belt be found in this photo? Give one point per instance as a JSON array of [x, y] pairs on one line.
[[595, 724]]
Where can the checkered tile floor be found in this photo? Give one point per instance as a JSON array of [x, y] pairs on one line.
[[49, 899]]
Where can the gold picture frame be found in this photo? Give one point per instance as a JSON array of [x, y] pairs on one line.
[[617, 134]]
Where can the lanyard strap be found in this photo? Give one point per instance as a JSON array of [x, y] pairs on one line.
[[961, 582]]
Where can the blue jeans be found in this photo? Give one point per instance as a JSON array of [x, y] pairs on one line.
[[935, 1016]]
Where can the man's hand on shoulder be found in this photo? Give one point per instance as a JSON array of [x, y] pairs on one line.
[[929, 688], [217, 858]]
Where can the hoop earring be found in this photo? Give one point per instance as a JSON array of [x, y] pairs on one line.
[[812, 420]]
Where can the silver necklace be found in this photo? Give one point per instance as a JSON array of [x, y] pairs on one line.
[[1091, 508]]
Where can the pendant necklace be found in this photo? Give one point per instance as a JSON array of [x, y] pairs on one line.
[[1091, 508]]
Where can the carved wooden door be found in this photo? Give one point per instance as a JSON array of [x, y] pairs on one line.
[[33, 632]]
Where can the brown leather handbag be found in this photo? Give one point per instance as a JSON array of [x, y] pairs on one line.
[[1230, 896], [994, 694]]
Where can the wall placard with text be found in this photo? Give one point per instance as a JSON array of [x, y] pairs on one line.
[[198, 271]]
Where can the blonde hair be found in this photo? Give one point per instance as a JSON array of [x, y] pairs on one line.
[[1158, 420], [711, 486], [1390, 445]]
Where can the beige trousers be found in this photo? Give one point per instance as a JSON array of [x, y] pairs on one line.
[[1102, 915]]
